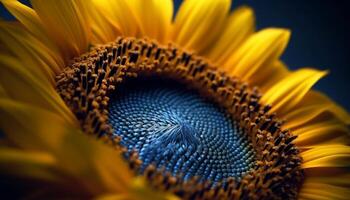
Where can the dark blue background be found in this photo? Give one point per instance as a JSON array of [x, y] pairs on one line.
[[320, 37]]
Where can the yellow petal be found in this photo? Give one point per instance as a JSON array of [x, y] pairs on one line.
[[103, 31], [265, 77], [304, 114], [288, 92], [113, 197], [119, 14], [140, 190], [19, 84], [29, 51], [198, 23], [315, 108], [261, 49], [28, 17], [155, 18], [27, 164], [334, 179], [331, 131], [326, 156], [317, 191], [318, 98], [66, 22], [96, 167], [239, 26], [341, 179]]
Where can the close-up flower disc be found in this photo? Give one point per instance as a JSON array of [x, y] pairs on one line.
[[107, 99], [195, 124]]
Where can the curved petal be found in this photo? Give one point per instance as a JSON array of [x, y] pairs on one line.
[[119, 15], [95, 166], [29, 164], [261, 49], [328, 132], [314, 109], [198, 23], [103, 31], [288, 92], [155, 18], [339, 178], [29, 50], [112, 197], [27, 16], [140, 191], [19, 84], [31, 21], [334, 108], [326, 172], [265, 77], [314, 104], [304, 114], [66, 22], [240, 25], [326, 156], [311, 190]]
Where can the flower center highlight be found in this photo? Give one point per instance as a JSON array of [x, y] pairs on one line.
[[176, 128]]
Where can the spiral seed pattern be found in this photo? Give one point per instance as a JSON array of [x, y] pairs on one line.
[[91, 85], [176, 128]]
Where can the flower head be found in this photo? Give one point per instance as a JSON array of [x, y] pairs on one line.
[[117, 100]]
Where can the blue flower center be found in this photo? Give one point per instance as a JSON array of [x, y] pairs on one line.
[[178, 129]]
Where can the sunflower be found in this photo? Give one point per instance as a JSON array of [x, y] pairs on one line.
[[115, 99]]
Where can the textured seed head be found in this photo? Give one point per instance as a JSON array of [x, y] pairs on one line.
[[215, 143]]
